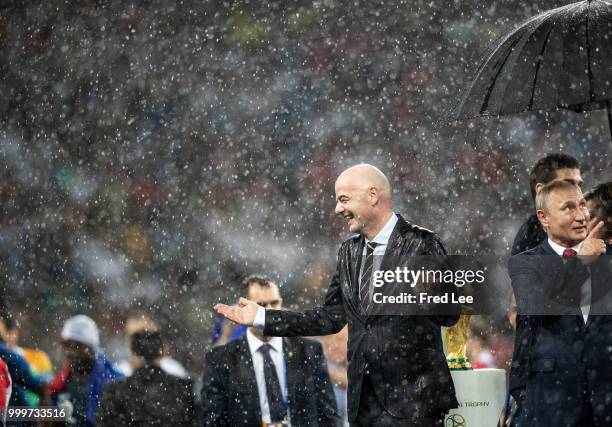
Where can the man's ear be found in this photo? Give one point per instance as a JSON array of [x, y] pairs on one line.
[[542, 217], [538, 187], [374, 195]]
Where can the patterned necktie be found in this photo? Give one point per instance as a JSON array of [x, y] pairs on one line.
[[366, 279], [273, 388], [569, 253]]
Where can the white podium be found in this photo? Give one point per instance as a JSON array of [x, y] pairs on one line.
[[481, 394]]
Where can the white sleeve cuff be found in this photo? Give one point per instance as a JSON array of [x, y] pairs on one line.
[[260, 318]]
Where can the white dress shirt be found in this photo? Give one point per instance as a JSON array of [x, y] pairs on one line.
[[276, 354], [585, 289], [382, 238]]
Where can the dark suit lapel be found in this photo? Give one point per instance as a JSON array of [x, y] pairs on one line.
[[546, 249], [356, 258], [247, 382], [552, 262]]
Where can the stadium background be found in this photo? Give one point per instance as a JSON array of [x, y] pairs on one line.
[[155, 152]]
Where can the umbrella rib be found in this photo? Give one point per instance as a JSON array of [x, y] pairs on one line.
[[543, 17], [485, 103], [537, 71]]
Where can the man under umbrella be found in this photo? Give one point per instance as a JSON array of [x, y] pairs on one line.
[[552, 167]]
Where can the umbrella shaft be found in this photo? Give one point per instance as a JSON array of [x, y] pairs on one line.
[[609, 112]]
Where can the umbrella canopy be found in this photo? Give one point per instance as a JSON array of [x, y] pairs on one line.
[[561, 58]]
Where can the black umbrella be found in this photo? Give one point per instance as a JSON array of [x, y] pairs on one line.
[[561, 58]]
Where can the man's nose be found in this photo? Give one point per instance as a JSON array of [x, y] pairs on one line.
[[338, 209], [581, 215]]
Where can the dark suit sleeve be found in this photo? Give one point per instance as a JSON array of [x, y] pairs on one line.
[[327, 410], [214, 390], [325, 320]]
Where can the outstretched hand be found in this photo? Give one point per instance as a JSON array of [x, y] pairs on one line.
[[243, 314]]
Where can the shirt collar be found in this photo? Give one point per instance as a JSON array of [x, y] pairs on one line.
[[255, 343], [382, 238], [559, 249]]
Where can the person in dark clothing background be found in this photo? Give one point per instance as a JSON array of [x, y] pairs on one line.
[[599, 204], [552, 167], [150, 397]]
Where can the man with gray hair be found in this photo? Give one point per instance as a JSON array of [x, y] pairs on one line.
[[552, 167], [397, 372]]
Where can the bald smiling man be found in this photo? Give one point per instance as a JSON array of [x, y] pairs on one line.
[[397, 374]]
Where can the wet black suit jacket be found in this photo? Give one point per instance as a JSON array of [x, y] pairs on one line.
[[403, 354]]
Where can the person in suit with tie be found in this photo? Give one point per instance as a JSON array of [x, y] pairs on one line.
[[560, 367], [552, 167], [262, 379], [397, 372]]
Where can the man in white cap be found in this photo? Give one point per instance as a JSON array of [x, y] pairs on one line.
[[79, 384]]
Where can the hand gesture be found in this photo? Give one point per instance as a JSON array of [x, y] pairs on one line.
[[243, 314], [593, 244]]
